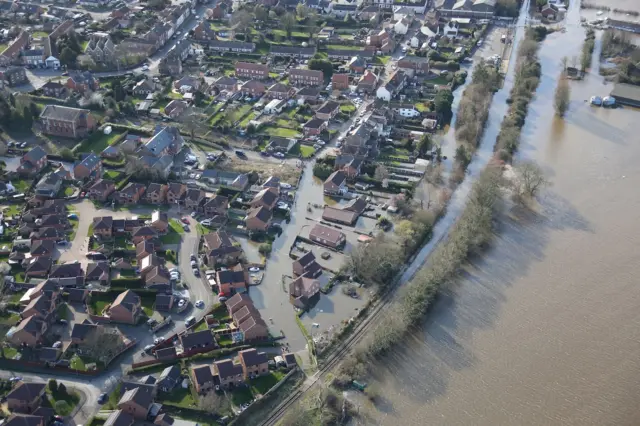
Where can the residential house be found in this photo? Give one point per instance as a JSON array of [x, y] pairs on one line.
[[176, 193], [42, 248], [237, 302], [231, 46], [202, 378], [267, 197], [225, 83], [143, 88], [203, 31], [258, 219], [169, 378], [187, 84], [231, 281], [345, 217], [103, 226], [157, 278], [144, 248], [126, 308], [149, 262], [368, 82], [306, 265], [164, 302], [101, 190], [402, 25], [48, 233], [11, 53], [194, 198], [327, 236], [156, 193], [382, 41], [90, 167], [336, 183], [175, 108], [412, 65], [33, 161], [405, 110], [340, 81], [82, 332], [302, 290], [341, 10], [275, 106], [13, 76], [141, 233], [349, 164], [254, 363], [165, 141], [170, 65], [66, 270], [16, 419], [66, 121], [347, 54], [25, 397], [160, 221], [278, 144], [164, 419], [100, 48], [220, 249], [280, 91], [293, 51], [550, 11], [54, 89], [305, 77], [230, 374], [308, 94], [97, 271], [28, 332], [253, 88], [77, 295], [315, 126], [393, 86], [357, 65], [33, 57], [252, 70], [216, 206], [82, 82], [254, 328], [290, 360], [328, 110], [136, 402], [198, 341], [131, 193], [37, 267]]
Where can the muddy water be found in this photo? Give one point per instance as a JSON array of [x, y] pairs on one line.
[[544, 328]]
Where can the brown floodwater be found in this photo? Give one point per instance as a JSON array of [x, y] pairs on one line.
[[544, 327]]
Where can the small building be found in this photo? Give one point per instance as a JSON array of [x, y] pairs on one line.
[[336, 183], [626, 94], [302, 290], [254, 363], [327, 236]]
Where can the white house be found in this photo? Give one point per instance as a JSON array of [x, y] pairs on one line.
[[402, 26], [386, 4], [52, 62], [275, 106], [450, 29], [383, 93], [406, 110]]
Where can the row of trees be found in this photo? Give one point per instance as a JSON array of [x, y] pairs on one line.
[[527, 78]]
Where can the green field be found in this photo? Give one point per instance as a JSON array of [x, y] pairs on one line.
[[178, 397], [173, 236], [281, 131], [99, 141]]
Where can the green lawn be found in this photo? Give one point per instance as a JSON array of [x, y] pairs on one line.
[[90, 231], [179, 397], [234, 114], [202, 326], [39, 34], [281, 131], [245, 121], [63, 312], [283, 33], [9, 318], [99, 141], [9, 352], [422, 107], [74, 223], [225, 341], [173, 236], [262, 384], [114, 397], [241, 396], [347, 108], [113, 175], [68, 191], [77, 363], [22, 185], [174, 95], [12, 210], [147, 304], [307, 151], [97, 304]]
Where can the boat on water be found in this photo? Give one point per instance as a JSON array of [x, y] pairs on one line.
[[596, 100]]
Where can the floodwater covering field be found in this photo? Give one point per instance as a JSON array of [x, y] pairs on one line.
[[544, 327]]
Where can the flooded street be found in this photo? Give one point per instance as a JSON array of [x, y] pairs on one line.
[[544, 327]]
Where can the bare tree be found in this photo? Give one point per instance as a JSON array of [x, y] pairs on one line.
[[102, 344], [242, 22], [381, 173], [210, 402], [529, 180], [564, 61], [191, 121], [288, 21], [562, 97]]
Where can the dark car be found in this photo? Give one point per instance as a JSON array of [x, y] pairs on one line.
[[96, 256], [241, 154], [102, 398]]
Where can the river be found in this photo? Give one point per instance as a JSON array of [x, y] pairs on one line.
[[543, 328]]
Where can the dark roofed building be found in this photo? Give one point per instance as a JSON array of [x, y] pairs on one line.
[[197, 341], [327, 236], [307, 265]]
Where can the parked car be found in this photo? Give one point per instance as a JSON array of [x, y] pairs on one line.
[[254, 269], [102, 398], [149, 348], [241, 154], [285, 185], [206, 222], [185, 220], [279, 155], [181, 303], [199, 304], [186, 228], [196, 272], [194, 214], [190, 321], [57, 344]]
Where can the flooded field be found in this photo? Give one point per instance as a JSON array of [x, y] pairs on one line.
[[544, 327]]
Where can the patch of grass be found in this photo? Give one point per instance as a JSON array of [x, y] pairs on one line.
[[245, 121], [77, 363], [12, 210], [147, 303], [74, 224], [68, 191], [241, 396], [281, 131], [173, 235], [422, 107], [39, 34], [114, 175], [262, 384], [307, 151], [178, 397], [114, 397], [22, 185], [9, 318], [98, 141], [225, 341], [63, 312], [347, 108], [90, 231], [70, 397], [9, 352], [174, 95]]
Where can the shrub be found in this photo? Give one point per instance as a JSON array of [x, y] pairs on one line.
[[265, 249], [62, 407], [53, 385]]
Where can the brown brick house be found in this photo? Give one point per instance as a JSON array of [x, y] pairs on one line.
[[101, 190], [340, 81], [160, 221], [156, 193], [131, 193], [82, 82], [29, 332], [216, 205], [127, 308], [268, 197], [327, 236], [258, 219], [252, 70], [302, 77], [202, 378], [253, 88], [230, 374], [141, 233], [25, 397], [194, 198], [176, 193], [136, 402], [280, 91], [314, 127], [303, 289], [103, 226], [66, 121], [307, 265], [220, 249], [328, 110], [33, 161], [253, 363], [90, 167]]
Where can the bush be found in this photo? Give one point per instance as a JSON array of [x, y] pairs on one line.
[[62, 408], [264, 249], [53, 385]]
